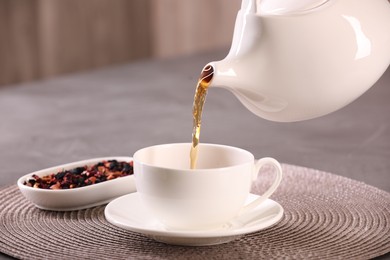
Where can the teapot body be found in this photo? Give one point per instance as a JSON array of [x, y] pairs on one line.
[[292, 67]]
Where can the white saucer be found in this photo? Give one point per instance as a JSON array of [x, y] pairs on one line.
[[129, 213]]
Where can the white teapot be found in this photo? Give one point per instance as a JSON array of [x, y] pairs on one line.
[[293, 60]]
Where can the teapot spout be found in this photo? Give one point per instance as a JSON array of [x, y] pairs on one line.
[[248, 91], [223, 75]]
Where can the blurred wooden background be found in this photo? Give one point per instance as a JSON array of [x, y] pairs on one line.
[[43, 38]]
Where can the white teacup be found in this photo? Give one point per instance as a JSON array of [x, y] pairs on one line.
[[203, 198]]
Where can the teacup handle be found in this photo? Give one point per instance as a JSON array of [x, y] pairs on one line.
[[258, 165]]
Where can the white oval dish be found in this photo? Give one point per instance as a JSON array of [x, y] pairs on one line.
[[77, 198]]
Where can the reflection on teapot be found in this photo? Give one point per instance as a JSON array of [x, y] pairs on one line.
[[301, 59]]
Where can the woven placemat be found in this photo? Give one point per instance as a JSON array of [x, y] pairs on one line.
[[326, 217]]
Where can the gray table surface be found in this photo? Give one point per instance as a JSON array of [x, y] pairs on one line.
[[117, 110]]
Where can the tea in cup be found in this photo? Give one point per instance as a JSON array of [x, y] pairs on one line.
[[203, 198]]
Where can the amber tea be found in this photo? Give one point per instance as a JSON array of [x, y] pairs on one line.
[[200, 96]]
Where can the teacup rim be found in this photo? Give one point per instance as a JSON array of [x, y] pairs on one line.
[[198, 170]]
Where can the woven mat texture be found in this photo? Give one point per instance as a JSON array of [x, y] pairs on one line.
[[326, 217]]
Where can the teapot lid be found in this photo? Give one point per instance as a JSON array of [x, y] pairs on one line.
[[283, 7]]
